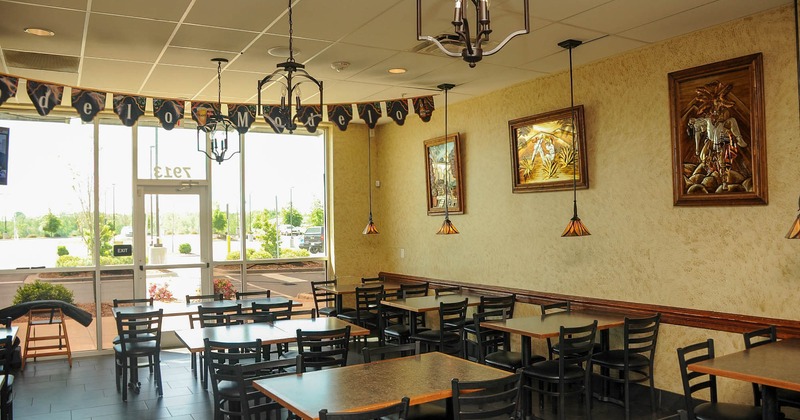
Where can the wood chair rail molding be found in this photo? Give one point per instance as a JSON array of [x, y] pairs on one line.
[[697, 318]]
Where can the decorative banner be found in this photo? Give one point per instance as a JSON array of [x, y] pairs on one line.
[[310, 116], [168, 111], [424, 107], [88, 103], [8, 88], [397, 109], [341, 115], [129, 108], [44, 96], [370, 113], [201, 111], [242, 116], [276, 116]]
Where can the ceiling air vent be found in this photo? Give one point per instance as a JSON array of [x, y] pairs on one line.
[[38, 61]]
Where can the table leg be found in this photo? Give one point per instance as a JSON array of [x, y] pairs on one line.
[[526, 351], [339, 304], [769, 403]]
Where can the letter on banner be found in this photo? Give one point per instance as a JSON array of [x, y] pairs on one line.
[[370, 112], [88, 103], [397, 109], [129, 108], [276, 116], [341, 115], [310, 116], [8, 88], [44, 96], [168, 111], [242, 116], [423, 106], [201, 111]]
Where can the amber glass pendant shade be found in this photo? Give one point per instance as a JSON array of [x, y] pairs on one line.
[[575, 228], [447, 228], [794, 232], [371, 229]]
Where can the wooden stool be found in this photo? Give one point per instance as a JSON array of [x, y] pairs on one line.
[[44, 345]]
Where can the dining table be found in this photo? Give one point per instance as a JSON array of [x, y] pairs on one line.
[[549, 326], [12, 331], [342, 290], [419, 305], [423, 378], [772, 366]]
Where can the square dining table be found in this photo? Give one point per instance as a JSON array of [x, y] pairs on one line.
[[12, 331], [421, 304], [340, 290], [774, 365], [549, 326], [423, 378]]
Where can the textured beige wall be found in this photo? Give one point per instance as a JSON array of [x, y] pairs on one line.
[[642, 248]]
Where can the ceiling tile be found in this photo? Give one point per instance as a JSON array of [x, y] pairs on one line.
[[538, 44], [194, 57], [171, 10], [342, 91], [415, 64], [113, 76], [68, 4], [330, 20], [257, 59], [397, 21], [250, 15], [583, 54], [360, 59], [604, 17], [193, 36], [176, 82], [556, 10], [67, 25], [126, 38]]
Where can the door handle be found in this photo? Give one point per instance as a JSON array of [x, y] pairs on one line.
[[141, 268]]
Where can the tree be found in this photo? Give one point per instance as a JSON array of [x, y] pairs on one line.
[[294, 218], [317, 216], [51, 224], [218, 221], [265, 231]]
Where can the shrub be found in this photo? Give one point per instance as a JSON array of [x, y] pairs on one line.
[[252, 254], [184, 248], [294, 253], [42, 291], [108, 260], [62, 250], [224, 286], [161, 293], [72, 261]]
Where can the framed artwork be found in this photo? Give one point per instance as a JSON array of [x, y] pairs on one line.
[[543, 151], [718, 145], [443, 175]]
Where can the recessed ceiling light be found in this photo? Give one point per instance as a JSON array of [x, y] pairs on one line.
[[282, 52], [397, 70], [39, 32]]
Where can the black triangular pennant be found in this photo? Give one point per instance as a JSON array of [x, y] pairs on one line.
[[242, 116], [276, 116], [370, 112], [423, 106], [168, 111], [397, 109], [44, 96], [341, 115], [8, 88], [310, 116], [129, 108], [88, 103]]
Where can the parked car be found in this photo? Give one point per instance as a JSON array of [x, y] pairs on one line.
[[285, 230], [313, 239]]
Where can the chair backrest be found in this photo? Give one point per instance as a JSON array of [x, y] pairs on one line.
[[575, 346], [495, 398], [203, 298], [279, 311], [6, 354], [253, 295], [217, 315], [452, 318], [304, 313], [504, 302], [447, 290], [321, 349], [555, 307], [400, 409], [489, 340], [373, 354], [696, 381], [759, 338], [323, 298], [139, 333], [369, 297], [408, 290], [640, 336], [133, 302], [367, 280]]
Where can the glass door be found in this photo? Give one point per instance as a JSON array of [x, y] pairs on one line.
[[173, 233]]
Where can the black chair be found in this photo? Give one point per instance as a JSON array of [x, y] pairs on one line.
[[134, 302], [368, 280], [233, 368], [391, 321], [400, 331], [199, 299], [568, 375], [786, 398], [215, 316], [7, 390], [16, 358], [366, 314], [277, 311], [488, 304], [325, 300], [494, 347], [696, 381], [489, 399], [139, 337], [254, 295], [400, 410], [449, 338], [447, 290], [633, 362], [549, 309], [323, 349]]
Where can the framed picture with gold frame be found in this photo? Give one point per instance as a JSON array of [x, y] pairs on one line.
[[443, 175], [718, 143], [543, 151]]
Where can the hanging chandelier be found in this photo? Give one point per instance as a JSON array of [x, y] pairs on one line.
[[371, 229], [472, 46], [289, 75], [447, 227], [575, 226], [215, 130]]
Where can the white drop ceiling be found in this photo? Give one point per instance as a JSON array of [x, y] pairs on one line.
[[163, 48]]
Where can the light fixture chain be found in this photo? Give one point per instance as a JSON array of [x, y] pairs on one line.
[[574, 142], [369, 169], [291, 33], [219, 85], [446, 161]]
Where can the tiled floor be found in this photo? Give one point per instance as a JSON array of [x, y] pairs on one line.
[[51, 390]]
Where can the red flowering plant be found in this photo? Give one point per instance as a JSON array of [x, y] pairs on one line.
[[161, 293], [224, 286]]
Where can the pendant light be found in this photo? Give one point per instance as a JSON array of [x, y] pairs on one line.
[[575, 226], [794, 231], [370, 229], [447, 227], [215, 130]]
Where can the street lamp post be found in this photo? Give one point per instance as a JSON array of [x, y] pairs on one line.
[[291, 219], [114, 207]]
